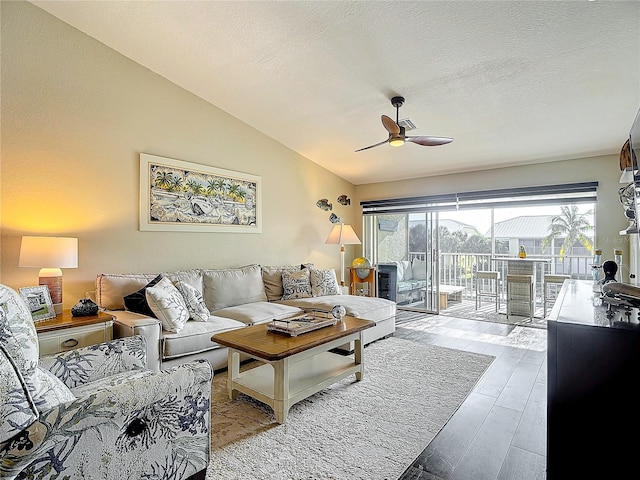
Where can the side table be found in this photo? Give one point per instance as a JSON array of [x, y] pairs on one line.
[[365, 287], [66, 332]]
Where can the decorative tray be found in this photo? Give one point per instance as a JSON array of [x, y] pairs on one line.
[[304, 323]]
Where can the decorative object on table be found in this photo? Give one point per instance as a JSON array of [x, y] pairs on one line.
[[597, 264], [362, 266], [39, 302], [84, 308], [190, 197], [323, 204], [50, 254], [627, 197], [338, 312], [344, 200], [333, 218], [342, 235], [522, 253], [302, 324], [610, 268]]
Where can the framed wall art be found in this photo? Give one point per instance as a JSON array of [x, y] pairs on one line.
[[38, 301], [190, 197]]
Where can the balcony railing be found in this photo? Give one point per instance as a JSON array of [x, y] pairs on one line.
[[458, 268]]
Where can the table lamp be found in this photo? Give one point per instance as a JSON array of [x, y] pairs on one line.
[[50, 254], [342, 235]]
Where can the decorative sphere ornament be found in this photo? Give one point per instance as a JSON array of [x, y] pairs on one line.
[[338, 312], [362, 266]]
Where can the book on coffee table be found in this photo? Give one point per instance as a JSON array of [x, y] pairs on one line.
[[294, 326]]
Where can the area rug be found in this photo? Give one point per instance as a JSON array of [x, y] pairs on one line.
[[372, 429]]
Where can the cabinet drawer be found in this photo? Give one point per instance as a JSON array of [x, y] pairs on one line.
[[72, 338]]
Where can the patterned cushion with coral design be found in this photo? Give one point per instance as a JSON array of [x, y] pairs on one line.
[[194, 300], [296, 284], [167, 304], [324, 282]]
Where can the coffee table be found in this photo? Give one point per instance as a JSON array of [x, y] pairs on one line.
[[294, 367]]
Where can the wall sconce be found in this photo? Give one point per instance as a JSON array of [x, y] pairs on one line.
[[342, 235], [50, 254]]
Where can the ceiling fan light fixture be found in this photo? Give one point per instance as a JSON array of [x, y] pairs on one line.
[[396, 141]]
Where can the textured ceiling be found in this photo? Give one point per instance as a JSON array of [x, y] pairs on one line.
[[511, 82]]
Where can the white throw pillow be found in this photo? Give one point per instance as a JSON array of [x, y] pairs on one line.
[[323, 282], [419, 269], [167, 304], [296, 284], [198, 311]]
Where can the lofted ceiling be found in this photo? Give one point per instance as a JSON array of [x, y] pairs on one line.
[[513, 82]]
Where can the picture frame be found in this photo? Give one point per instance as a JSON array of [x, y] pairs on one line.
[[189, 197], [38, 300]]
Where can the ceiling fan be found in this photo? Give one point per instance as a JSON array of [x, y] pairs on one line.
[[397, 136]]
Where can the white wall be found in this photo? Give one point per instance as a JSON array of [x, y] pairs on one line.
[[610, 219], [75, 117]]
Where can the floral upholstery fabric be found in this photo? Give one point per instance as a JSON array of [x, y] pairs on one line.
[[111, 418], [17, 411]]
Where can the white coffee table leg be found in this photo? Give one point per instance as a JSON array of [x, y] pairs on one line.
[[281, 389], [233, 370]]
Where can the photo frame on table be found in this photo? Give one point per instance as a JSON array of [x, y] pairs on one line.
[[38, 300], [189, 197]]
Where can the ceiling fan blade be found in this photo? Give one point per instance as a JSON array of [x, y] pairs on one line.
[[429, 141], [391, 126], [371, 146]]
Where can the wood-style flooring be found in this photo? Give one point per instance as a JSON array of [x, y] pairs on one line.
[[499, 432]]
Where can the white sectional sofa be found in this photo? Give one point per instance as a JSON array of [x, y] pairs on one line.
[[234, 298]]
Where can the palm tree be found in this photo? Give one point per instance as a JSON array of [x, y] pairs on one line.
[[571, 225]]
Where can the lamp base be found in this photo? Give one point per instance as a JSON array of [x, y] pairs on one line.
[[52, 278]]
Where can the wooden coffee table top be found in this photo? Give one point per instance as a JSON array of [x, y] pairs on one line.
[[256, 340]]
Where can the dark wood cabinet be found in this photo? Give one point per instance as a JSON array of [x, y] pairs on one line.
[[593, 410]]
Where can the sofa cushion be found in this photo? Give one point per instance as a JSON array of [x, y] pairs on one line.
[[296, 284], [194, 300], [137, 301], [17, 410], [272, 279], [168, 305], [419, 269], [368, 308], [258, 312], [112, 287], [323, 282], [233, 286], [49, 391], [195, 337]]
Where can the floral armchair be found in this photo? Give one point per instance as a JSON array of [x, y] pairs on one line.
[[97, 412]]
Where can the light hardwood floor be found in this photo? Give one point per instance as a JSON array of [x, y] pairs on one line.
[[499, 432]]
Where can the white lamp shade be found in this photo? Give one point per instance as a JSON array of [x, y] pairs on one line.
[[49, 252], [342, 235]]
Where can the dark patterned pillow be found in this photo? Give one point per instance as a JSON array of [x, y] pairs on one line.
[[296, 284], [137, 301]]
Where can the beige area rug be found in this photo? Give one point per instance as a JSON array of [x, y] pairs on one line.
[[371, 429]]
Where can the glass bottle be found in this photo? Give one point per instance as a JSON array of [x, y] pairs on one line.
[[523, 252], [617, 257], [597, 264]]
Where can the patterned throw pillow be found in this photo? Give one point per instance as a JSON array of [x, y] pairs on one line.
[[137, 301], [198, 311], [296, 284], [49, 391], [167, 304], [324, 282]]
